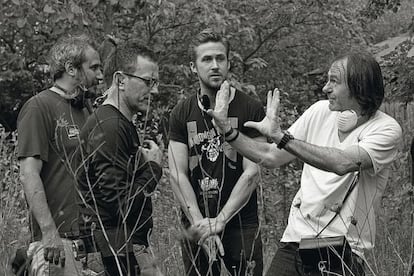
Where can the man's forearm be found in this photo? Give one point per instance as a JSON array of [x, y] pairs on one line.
[[36, 198], [260, 151], [324, 158], [239, 196], [186, 197]]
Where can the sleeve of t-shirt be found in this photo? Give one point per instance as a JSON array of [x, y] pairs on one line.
[[382, 144], [32, 130], [177, 129], [256, 114]]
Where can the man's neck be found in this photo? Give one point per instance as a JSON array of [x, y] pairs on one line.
[[115, 102], [64, 87], [211, 93]]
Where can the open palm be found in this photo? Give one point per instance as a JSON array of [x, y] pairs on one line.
[[270, 125], [221, 109]]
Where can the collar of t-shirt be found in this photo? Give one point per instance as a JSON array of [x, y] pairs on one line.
[[232, 94]]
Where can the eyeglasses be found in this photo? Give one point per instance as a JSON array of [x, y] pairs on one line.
[[148, 82]]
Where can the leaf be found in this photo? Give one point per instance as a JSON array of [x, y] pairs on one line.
[[114, 2], [127, 4], [48, 9], [16, 2], [75, 8], [94, 3], [21, 22]]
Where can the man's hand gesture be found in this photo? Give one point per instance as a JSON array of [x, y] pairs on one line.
[[270, 125], [221, 109]]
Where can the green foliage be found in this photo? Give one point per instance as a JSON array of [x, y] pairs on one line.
[[287, 44]]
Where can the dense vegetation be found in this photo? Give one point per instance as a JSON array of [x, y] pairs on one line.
[[275, 43]]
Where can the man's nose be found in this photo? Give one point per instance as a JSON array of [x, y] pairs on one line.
[[326, 89], [99, 75], [214, 64]]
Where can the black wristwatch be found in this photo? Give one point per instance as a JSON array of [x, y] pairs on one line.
[[285, 139]]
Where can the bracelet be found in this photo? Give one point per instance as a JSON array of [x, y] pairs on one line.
[[228, 133], [234, 138]]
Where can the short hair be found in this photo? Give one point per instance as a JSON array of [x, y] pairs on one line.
[[68, 49], [364, 80], [205, 36], [124, 58]]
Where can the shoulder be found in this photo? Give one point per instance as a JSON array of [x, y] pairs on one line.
[[242, 98], [384, 122], [185, 106], [320, 106], [319, 109]]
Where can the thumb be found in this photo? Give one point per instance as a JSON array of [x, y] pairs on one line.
[[211, 113], [251, 124], [219, 245]]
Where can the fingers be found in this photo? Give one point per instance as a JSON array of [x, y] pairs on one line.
[[55, 255], [62, 258], [219, 245], [49, 254], [150, 144], [269, 100], [276, 96]]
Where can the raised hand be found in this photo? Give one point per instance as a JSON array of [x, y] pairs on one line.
[[270, 125], [221, 109]]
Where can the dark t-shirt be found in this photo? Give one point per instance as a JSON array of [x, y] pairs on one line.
[[214, 166], [113, 175], [48, 128]]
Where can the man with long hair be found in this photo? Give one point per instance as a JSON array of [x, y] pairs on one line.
[[347, 146]]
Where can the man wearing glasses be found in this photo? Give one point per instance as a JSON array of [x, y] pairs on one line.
[[117, 172]]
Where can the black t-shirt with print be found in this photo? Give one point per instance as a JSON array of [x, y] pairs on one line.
[[48, 128], [214, 166]]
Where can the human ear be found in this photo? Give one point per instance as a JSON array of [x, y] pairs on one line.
[[70, 69], [119, 80], [193, 67]]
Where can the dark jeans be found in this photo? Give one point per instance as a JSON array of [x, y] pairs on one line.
[[287, 262], [242, 254]]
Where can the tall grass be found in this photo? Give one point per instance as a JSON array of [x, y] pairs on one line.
[[391, 256], [14, 231]]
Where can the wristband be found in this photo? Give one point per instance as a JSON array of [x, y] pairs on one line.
[[285, 139], [228, 133], [234, 138]]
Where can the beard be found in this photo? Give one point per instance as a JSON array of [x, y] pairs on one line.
[[214, 86]]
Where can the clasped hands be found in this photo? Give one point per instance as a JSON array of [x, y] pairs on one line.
[[206, 232], [268, 127]]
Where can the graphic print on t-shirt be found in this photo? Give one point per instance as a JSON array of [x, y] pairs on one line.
[[206, 148]]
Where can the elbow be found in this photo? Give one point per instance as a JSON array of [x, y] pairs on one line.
[[268, 161], [267, 164], [25, 176], [344, 168]]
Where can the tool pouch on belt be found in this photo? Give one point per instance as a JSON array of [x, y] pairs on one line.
[[324, 254]]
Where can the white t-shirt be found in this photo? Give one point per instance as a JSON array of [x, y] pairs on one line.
[[320, 191]]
